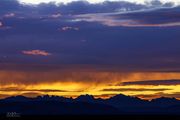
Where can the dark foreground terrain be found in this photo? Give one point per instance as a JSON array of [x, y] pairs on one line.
[[88, 105]]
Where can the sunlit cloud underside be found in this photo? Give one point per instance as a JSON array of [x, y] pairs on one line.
[[100, 84]]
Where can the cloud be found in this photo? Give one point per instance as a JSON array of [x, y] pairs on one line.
[[2, 96], [82, 7], [12, 89], [142, 18], [3, 27], [58, 15], [133, 89], [67, 28], [8, 5], [9, 15], [74, 7], [1, 24], [106, 49], [95, 44], [144, 2], [105, 96], [87, 75], [153, 82], [30, 94], [64, 81], [36, 53]]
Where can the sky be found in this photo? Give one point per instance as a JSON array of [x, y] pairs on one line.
[[82, 48]]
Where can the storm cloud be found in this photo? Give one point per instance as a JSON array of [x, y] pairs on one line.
[[144, 18], [133, 89], [30, 90], [153, 82], [91, 43], [95, 45]]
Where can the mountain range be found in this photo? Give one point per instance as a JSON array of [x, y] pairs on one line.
[[88, 105]]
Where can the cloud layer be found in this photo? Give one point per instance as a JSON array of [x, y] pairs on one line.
[[133, 89], [121, 34], [36, 52], [99, 1], [89, 48], [152, 18], [154, 82]]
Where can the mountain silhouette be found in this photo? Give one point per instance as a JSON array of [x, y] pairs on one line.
[[88, 105], [85, 98]]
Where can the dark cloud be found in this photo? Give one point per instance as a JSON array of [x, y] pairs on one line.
[[105, 96], [59, 76], [4, 96], [8, 6], [133, 89], [82, 7], [152, 18], [106, 40], [90, 44], [76, 7], [104, 45], [153, 82], [11, 89], [85, 76], [158, 3], [31, 94]]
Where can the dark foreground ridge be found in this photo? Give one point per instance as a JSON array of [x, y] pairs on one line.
[[88, 105]]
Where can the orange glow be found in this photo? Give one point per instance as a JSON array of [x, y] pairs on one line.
[[72, 84]]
